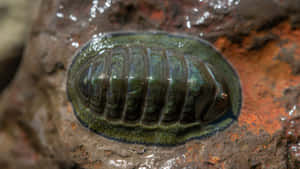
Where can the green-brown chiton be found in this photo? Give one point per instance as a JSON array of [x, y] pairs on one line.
[[153, 88]]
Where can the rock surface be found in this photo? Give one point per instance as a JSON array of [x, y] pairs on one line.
[[260, 38], [16, 17], [15, 23]]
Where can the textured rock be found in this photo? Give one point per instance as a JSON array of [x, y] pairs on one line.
[[36, 115], [15, 22]]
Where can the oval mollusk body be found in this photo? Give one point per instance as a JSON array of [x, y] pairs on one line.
[[148, 85], [161, 92]]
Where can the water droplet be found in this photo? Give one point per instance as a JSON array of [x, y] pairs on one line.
[[73, 18], [150, 156], [188, 22], [120, 163], [202, 19], [291, 112], [180, 44], [59, 15], [75, 44], [223, 4], [101, 9]]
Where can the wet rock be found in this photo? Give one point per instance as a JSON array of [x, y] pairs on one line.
[[262, 14], [260, 42], [9, 64], [292, 7], [290, 54], [293, 138], [291, 97]]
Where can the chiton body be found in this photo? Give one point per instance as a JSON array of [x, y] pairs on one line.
[[153, 88]]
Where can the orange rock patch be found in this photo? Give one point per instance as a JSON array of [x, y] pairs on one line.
[[263, 78]]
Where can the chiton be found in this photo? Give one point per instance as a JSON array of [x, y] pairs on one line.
[[153, 88]]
